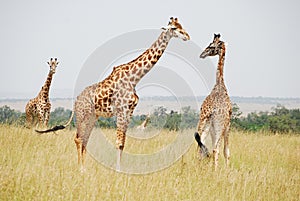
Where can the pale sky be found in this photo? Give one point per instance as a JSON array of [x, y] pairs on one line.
[[262, 36]]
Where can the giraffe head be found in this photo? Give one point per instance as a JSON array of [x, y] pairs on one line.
[[176, 30], [214, 48], [53, 64]]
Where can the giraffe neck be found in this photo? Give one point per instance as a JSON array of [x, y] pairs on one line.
[[219, 76], [45, 89], [144, 63]]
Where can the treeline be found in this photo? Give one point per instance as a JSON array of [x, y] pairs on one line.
[[160, 118], [279, 120]]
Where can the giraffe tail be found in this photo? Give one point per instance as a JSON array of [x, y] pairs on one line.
[[58, 127], [203, 148]]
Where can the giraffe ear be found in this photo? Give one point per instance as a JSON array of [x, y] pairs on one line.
[[48, 63], [216, 37], [57, 63]]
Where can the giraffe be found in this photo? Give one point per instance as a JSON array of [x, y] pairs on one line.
[[116, 94], [39, 107], [216, 109], [144, 123]]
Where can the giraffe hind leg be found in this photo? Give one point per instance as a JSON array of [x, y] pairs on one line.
[[226, 146], [84, 129], [215, 144], [217, 135], [78, 143], [203, 149], [81, 151], [29, 115], [204, 128], [29, 120]]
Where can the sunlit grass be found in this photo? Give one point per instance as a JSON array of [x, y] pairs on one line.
[[34, 167]]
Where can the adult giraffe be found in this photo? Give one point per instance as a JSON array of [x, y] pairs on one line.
[[40, 106], [116, 95], [216, 109]]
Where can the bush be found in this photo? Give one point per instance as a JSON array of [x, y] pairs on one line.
[[280, 120]]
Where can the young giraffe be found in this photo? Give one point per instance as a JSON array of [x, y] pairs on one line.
[[116, 95], [39, 107], [144, 124], [216, 109]]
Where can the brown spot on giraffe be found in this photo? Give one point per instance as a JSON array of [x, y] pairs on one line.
[[38, 109], [216, 109]]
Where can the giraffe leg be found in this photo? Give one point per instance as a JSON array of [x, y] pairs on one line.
[[226, 146], [46, 117], [29, 115], [216, 140], [78, 143], [40, 118], [120, 142], [216, 145], [119, 156], [83, 133], [216, 157], [83, 157], [29, 120], [123, 118], [81, 151], [203, 130]]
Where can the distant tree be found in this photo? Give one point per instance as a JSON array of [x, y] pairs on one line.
[[137, 120], [189, 118], [160, 111], [8, 115], [173, 121], [60, 116], [158, 117], [106, 122], [281, 120], [236, 113], [236, 117]]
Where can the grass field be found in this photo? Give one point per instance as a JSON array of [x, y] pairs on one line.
[[33, 167]]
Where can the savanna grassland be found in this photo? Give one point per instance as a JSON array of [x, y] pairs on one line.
[[44, 167]]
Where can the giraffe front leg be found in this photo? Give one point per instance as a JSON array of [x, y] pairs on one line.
[[122, 125], [40, 119], [124, 114], [46, 117], [120, 143]]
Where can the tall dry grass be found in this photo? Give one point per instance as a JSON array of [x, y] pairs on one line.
[[33, 167]]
